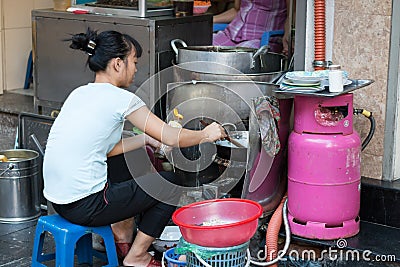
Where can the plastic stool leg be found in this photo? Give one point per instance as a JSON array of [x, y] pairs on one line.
[[37, 256], [29, 71], [267, 35], [64, 251], [109, 243], [84, 249]]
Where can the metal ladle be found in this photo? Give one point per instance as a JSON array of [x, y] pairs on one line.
[[228, 138]]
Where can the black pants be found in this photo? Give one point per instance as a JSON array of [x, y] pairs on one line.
[[151, 196]]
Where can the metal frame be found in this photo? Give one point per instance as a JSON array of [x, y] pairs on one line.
[[391, 154], [300, 36]]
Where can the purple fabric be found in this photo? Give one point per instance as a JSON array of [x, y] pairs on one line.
[[253, 19]]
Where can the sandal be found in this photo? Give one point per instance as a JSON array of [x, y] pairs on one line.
[[154, 263], [123, 249]]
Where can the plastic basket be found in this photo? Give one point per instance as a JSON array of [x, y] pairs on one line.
[[224, 257], [172, 258]]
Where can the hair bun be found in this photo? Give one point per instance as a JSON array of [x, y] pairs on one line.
[[84, 41]]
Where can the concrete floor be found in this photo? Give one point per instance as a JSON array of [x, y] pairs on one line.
[[16, 242]]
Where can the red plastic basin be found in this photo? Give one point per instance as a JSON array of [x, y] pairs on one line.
[[219, 222]]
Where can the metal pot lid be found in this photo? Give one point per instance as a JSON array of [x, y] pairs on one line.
[[221, 49]]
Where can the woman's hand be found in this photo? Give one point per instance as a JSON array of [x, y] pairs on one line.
[[214, 132], [151, 141]]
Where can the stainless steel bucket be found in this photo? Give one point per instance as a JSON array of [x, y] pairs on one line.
[[19, 190]]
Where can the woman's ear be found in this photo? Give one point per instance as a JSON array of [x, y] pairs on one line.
[[117, 63]]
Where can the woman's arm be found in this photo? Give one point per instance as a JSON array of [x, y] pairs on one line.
[[228, 15], [132, 143], [149, 123]]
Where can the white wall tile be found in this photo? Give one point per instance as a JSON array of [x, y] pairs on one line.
[[17, 45], [17, 13]]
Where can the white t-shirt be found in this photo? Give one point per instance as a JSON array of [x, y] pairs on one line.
[[88, 126]]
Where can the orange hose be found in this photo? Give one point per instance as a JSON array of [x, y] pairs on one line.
[[271, 238], [319, 32]]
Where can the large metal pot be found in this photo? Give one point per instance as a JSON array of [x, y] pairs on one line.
[[19, 190], [233, 60]]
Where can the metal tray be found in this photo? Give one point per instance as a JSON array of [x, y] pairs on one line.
[[33, 124], [143, 9], [355, 85], [33, 127]]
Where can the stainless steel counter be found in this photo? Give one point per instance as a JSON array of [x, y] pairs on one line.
[[59, 69]]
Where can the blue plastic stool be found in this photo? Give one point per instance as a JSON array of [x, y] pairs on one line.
[[29, 71], [219, 27], [267, 35], [71, 239]]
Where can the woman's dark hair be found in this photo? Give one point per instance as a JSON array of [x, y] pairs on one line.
[[104, 46]]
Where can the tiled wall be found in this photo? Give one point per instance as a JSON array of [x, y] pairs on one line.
[[361, 46], [16, 39]]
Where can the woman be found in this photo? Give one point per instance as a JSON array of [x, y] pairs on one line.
[[249, 19], [88, 129]]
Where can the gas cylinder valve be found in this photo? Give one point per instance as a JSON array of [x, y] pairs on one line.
[[371, 132]]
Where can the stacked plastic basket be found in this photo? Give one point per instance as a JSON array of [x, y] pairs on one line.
[[172, 258], [215, 233]]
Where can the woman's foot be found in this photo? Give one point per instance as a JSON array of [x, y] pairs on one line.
[[143, 261], [122, 249], [138, 255]]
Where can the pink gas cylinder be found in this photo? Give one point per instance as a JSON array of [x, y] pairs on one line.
[[324, 168]]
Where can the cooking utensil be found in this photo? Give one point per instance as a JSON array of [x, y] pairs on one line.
[[37, 143], [230, 59], [231, 221], [228, 138]]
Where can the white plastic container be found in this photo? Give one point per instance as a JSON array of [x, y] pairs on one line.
[[335, 76]]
